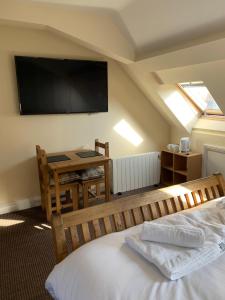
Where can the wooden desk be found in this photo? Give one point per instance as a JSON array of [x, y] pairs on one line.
[[74, 164]]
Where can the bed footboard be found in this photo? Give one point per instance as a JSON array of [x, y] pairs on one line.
[[73, 229]]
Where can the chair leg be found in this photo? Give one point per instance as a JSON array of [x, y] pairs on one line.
[[48, 206], [85, 195], [97, 190], [75, 193], [43, 201], [68, 196]]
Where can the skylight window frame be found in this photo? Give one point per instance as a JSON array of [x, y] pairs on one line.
[[192, 102], [208, 113]]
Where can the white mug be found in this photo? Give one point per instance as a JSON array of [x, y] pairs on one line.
[[173, 148]]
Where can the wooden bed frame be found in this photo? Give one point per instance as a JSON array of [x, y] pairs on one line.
[[79, 227]]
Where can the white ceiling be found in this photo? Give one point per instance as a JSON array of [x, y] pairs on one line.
[[161, 24], [158, 25], [109, 4]]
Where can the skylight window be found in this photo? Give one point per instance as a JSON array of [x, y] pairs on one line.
[[198, 93]]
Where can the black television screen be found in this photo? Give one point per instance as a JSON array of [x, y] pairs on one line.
[[58, 86]]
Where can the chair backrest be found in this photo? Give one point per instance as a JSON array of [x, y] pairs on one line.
[[38, 155], [42, 165], [43, 169], [104, 146]]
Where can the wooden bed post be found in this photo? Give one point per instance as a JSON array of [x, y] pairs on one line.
[[59, 240]]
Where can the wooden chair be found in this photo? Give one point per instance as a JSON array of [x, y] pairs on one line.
[[86, 185], [47, 187]]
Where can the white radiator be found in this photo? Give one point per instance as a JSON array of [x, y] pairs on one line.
[[213, 160], [136, 171]]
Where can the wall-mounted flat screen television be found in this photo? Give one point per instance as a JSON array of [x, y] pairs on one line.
[[61, 86]]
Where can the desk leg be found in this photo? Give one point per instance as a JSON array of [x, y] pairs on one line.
[[107, 182], [57, 192]]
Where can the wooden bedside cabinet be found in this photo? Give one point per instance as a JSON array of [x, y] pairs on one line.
[[180, 167]]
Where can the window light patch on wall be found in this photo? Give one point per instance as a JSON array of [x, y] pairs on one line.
[[201, 97], [184, 112], [127, 132]]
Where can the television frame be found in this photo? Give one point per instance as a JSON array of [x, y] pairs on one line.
[[58, 113]]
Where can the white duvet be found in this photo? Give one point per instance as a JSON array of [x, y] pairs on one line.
[[107, 269]]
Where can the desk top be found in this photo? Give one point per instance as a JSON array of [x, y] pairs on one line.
[[75, 162]]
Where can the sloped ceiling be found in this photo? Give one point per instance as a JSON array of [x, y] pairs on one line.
[[156, 25], [152, 39], [94, 29]]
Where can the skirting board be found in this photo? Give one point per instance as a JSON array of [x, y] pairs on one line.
[[20, 205]]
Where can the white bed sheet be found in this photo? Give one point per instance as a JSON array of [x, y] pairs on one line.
[[107, 269]]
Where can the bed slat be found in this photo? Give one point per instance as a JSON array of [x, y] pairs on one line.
[[196, 198], [190, 200], [165, 207], [118, 222], [97, 228], [171, 206], [208, 192], [155, 213], [107, 224], [221, 184], [146, 213], [183, 202], [220, 191], [74, 237], [177, 204], [161, 208], [138, 218], [158, 209], [150, 210], [86, 232], [202, 196], [216, 193], [128, 219]]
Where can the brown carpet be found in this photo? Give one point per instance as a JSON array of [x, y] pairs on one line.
[[26, 254]]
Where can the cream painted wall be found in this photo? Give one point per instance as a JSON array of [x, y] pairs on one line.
[[200, 137], [20, 134]]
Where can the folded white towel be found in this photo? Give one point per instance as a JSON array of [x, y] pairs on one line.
[[179, 235], [175, 261]]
